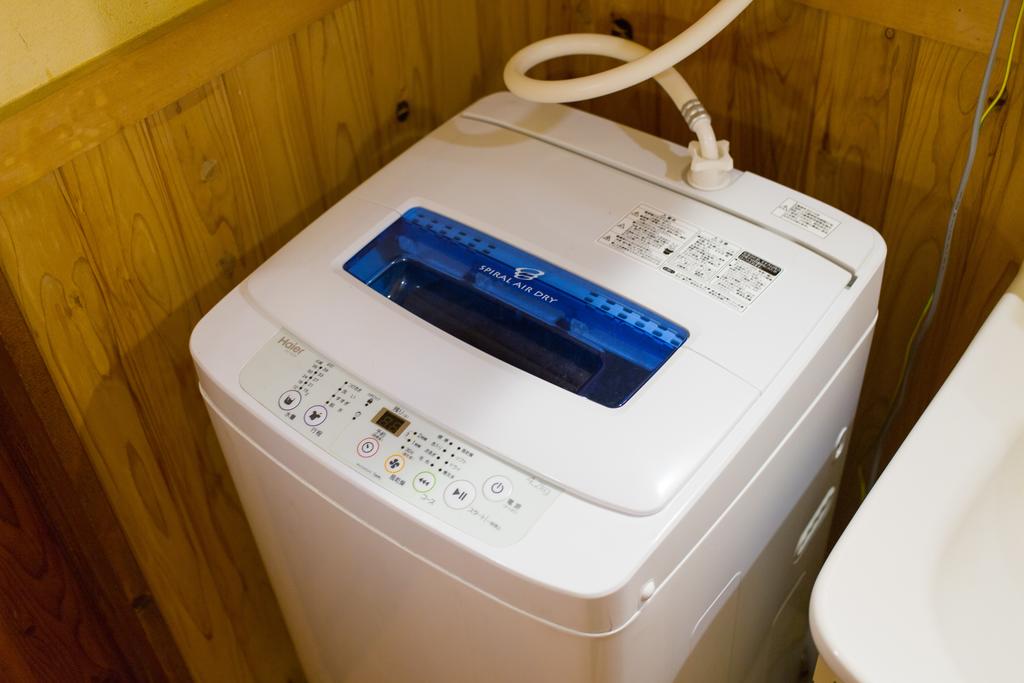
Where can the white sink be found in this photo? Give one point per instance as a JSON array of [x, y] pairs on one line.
[[927, 582]]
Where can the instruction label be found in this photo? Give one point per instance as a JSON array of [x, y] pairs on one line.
[[719, 268], [804, 216]]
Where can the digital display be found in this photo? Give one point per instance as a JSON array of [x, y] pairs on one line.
[[391, 422]]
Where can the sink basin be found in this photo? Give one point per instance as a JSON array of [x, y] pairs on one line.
[[986, 551], [927, 582]]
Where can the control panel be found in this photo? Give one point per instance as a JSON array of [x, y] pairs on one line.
[[390, 446]]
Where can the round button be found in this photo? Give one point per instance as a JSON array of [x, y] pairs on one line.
[[368, 447], [424, 481], [497, 488], [289, 400], [459, 494], [394, 463], [315, 416]]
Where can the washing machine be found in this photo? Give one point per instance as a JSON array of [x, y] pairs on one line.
[[524, 406]]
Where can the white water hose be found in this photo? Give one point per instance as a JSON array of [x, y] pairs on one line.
[[710, 161]]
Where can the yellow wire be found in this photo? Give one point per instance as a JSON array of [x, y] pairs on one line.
[[1009, 64], [910, 343], [991, 105], [928, 304]]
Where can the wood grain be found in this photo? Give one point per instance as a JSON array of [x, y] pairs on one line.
[[823, 673], [48, 625], [964, 24], [107, 290], [639, 106], [39, 135], [333, 55], [148, 229], [989, 262], [858, 115], [54, 470], [505, 26], [930, 156], [774, 88]]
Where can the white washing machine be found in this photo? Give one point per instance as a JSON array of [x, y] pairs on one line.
[[525, 407]]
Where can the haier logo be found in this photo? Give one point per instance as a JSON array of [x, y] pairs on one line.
[[527, 273], [291, 345]]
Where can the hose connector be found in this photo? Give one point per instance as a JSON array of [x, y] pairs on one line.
[[709, 174]]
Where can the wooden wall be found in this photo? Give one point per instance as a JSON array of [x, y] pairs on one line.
[[74, 604], [115, 247], [114, 255]]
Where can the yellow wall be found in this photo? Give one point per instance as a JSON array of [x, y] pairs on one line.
[[41, 40]]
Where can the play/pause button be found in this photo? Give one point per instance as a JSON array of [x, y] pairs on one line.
[[459, 494]]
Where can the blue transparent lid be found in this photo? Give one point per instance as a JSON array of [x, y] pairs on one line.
[[516, 307]]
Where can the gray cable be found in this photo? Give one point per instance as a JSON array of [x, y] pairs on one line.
[[940, 277]]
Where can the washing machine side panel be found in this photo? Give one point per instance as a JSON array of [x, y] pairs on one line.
[[779, 573], [745, 451], [254, 493], [362, 608], [771, 638], [719, 605]]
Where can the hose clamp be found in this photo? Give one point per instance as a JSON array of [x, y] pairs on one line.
[[693, 111]]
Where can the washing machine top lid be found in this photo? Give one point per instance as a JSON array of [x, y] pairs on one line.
[[595, 403], [517, 307]]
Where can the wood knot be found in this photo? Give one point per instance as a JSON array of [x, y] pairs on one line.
[[402, 111], [621, 28], [207, 170], [142, 601]]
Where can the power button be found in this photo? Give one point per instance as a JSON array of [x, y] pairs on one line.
[[497, 488]]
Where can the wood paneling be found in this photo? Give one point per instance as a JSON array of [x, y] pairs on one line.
[[115, 254], [73, 603], [930, 157], [823, 673], [49, 629], [963, 23], [858, 115], [41, 133], [119, 246]]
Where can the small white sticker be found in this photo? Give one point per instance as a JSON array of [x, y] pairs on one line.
[[702, 259], [804, 216]]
